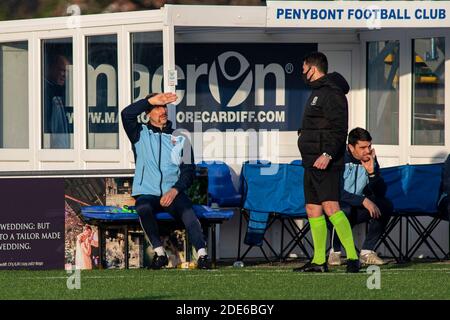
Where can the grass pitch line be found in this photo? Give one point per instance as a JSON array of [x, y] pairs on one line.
[[65, 277], [430, 269], [233, 273]]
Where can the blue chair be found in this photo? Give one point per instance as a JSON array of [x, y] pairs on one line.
[[220, 185], [414, 192], [272, 192]]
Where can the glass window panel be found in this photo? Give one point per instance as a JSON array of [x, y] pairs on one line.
[[383, 91], [14, 95], [428, 91], [102, 91], [146, 66], [57, 92]]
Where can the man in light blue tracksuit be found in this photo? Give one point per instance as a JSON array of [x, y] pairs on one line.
[[363, 196], [164, 171]]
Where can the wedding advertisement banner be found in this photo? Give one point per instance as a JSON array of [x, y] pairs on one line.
[[42, 225], [32, 223]]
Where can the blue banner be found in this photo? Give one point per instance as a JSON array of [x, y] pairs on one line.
[[229, 85]]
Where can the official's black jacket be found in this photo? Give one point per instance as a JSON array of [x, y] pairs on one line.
[[324, 126]]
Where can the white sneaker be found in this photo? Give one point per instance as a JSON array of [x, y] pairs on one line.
[[371, 258], [334, 258]]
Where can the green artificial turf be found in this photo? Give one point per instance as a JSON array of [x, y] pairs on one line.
[[408, 281]]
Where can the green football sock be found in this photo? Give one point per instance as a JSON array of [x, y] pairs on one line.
[[344, 232], [319, 235]]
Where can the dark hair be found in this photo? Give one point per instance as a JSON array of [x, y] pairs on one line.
[[317, 59], [52, 59], [358, 134], [87, 227]]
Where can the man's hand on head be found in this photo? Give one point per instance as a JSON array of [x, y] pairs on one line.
[[168, 197], [162, 99]]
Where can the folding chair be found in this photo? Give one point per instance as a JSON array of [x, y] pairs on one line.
[[274, 191], [220, 185], [414, 191]]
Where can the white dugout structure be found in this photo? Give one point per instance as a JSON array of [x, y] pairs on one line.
[[237, 72]]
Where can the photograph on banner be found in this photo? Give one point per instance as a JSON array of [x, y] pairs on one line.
[[118, 195], [82, 239], [114, 249]]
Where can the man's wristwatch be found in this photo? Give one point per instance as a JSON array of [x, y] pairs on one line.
[[327, 155]]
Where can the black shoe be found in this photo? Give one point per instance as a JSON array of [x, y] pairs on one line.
[[353, 266], [159, 262], [203, 263], [312, 267]]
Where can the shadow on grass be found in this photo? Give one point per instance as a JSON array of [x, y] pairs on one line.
[[411, 263]]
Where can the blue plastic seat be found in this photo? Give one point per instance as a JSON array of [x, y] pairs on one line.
[[220, 185]]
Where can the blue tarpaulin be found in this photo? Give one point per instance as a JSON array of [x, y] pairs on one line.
[[274, 188], [413, 188], [271, 188]]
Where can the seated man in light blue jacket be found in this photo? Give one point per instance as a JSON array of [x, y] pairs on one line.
[[363, 197], [164, 171]]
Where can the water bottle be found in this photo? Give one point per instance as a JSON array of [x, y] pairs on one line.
[[238, 264]]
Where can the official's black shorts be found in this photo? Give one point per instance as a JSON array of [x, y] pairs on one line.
[[322, 185]]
